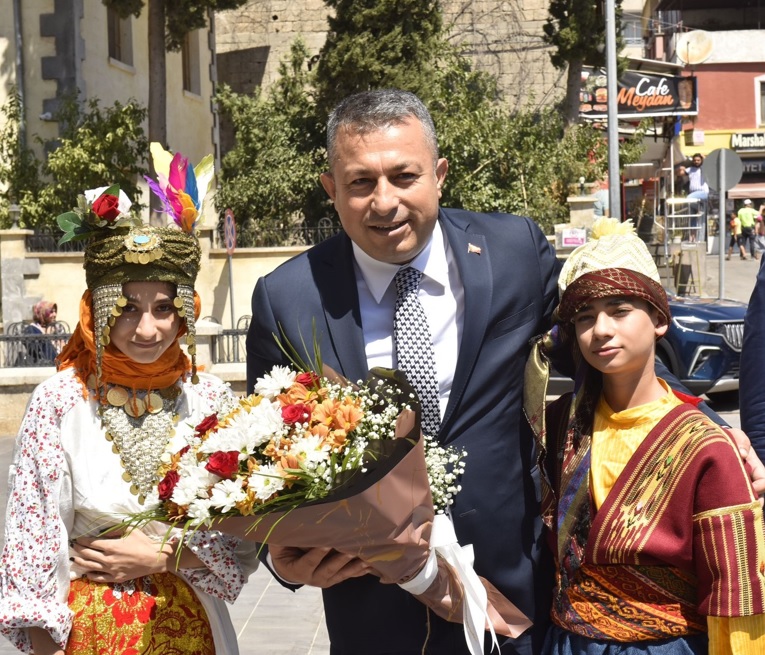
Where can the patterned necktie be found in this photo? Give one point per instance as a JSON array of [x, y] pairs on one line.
[[414, 347]]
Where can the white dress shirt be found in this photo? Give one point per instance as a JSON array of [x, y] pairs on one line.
[[442, 296]]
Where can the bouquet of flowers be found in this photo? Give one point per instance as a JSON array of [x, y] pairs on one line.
[[314, 461], [298, 439]]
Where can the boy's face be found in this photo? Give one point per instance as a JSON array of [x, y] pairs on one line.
[[617, 335]]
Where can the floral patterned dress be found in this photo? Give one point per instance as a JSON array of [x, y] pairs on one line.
[[66, 482]]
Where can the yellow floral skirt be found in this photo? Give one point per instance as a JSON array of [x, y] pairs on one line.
[[150, 615]]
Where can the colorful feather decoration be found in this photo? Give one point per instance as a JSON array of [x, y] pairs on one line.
[[180, 187]]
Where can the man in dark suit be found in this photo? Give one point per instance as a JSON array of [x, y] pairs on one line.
[[488, 286]]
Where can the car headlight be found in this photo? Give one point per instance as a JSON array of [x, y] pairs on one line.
[[692, 323]]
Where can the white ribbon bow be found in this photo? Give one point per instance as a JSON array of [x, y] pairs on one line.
[[443, 543]]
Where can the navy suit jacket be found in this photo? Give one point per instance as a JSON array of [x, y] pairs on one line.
[[510, 291], [751, 396]]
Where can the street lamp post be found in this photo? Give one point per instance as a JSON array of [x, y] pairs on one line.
[[614, 202]]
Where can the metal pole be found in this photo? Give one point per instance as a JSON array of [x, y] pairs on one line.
[[723, 222], [231, 303], [614, 178]]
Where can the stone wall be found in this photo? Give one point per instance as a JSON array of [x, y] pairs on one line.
[[503, 37]]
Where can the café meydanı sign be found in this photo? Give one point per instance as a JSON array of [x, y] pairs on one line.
[[743, 141]]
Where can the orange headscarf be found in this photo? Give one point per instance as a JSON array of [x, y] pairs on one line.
[[116, 367]]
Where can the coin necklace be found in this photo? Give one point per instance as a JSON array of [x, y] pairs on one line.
[[139, 425]]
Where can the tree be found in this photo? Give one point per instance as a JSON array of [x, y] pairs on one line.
[[376, 43], [19, 167], [270, 179], [97, 147], [577, 31]]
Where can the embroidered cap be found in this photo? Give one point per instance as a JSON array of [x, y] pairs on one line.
[[615, 261]]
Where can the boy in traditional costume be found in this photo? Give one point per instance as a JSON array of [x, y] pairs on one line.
[[656, 532]]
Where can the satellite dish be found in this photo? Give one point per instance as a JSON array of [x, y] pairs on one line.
[[694, 47]]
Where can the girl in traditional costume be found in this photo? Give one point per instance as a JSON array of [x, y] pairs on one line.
[[88, 452], [656, 532]]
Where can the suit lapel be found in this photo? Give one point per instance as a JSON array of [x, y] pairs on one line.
[[471, 253], [336, 282]]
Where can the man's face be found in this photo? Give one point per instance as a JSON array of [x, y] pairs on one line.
[[697, 161], [386, 187]]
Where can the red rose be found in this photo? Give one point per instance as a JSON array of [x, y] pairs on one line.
[[298, 413], [308, 379], [167, 485], [223, 464], [106, 207], [207, 424]]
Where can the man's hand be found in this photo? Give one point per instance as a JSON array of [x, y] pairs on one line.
[[750, 457], [120, 557], [318, 567]]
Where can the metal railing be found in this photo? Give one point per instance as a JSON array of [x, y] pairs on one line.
[[30, 350], [47, 241], [229, 347]]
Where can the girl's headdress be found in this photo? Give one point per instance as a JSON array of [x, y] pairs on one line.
[[615, 261], [120, 249]]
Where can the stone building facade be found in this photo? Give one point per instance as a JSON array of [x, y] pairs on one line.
[[503, 37]]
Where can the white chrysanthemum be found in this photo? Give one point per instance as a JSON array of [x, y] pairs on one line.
[[265, 482], [226, 494], [199, 511], [247, 430], [310, 450], [275, 382], [193, 483], [152, 501]]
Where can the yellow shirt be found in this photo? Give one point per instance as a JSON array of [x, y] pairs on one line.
[[615, 438]]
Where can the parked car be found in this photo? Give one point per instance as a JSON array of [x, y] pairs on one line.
[[702, 347]]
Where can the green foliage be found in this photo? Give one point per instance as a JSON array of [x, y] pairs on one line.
[[19, 167], [271, 177], [375, 44], [181, 16], [577, 31], [97, 147]]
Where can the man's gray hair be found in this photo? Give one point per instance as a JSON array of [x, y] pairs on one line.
[[370, 111]]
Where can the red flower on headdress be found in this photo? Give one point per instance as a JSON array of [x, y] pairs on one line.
[[106, 207]]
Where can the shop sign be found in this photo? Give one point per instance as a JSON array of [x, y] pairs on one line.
[[754, 166], [640, 95], [743, 141]]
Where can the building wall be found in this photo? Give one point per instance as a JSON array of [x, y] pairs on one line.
[[726, 96], [65, 46], [503, 37]]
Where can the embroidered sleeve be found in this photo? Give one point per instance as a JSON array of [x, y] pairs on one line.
[[729, 543], [228, 561], [35, 558]]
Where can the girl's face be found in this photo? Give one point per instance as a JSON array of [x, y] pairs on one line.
[[149, 322]]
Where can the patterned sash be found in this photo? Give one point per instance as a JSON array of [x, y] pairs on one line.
[[153, 614]]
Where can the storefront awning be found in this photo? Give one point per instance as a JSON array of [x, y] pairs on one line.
[[754, 190]]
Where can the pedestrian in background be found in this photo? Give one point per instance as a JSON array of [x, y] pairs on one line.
[[747, 217], [734, 227]]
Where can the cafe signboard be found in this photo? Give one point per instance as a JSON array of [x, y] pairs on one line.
[[639, 95]]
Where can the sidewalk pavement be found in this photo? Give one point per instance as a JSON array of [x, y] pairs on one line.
[[270, 619]]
